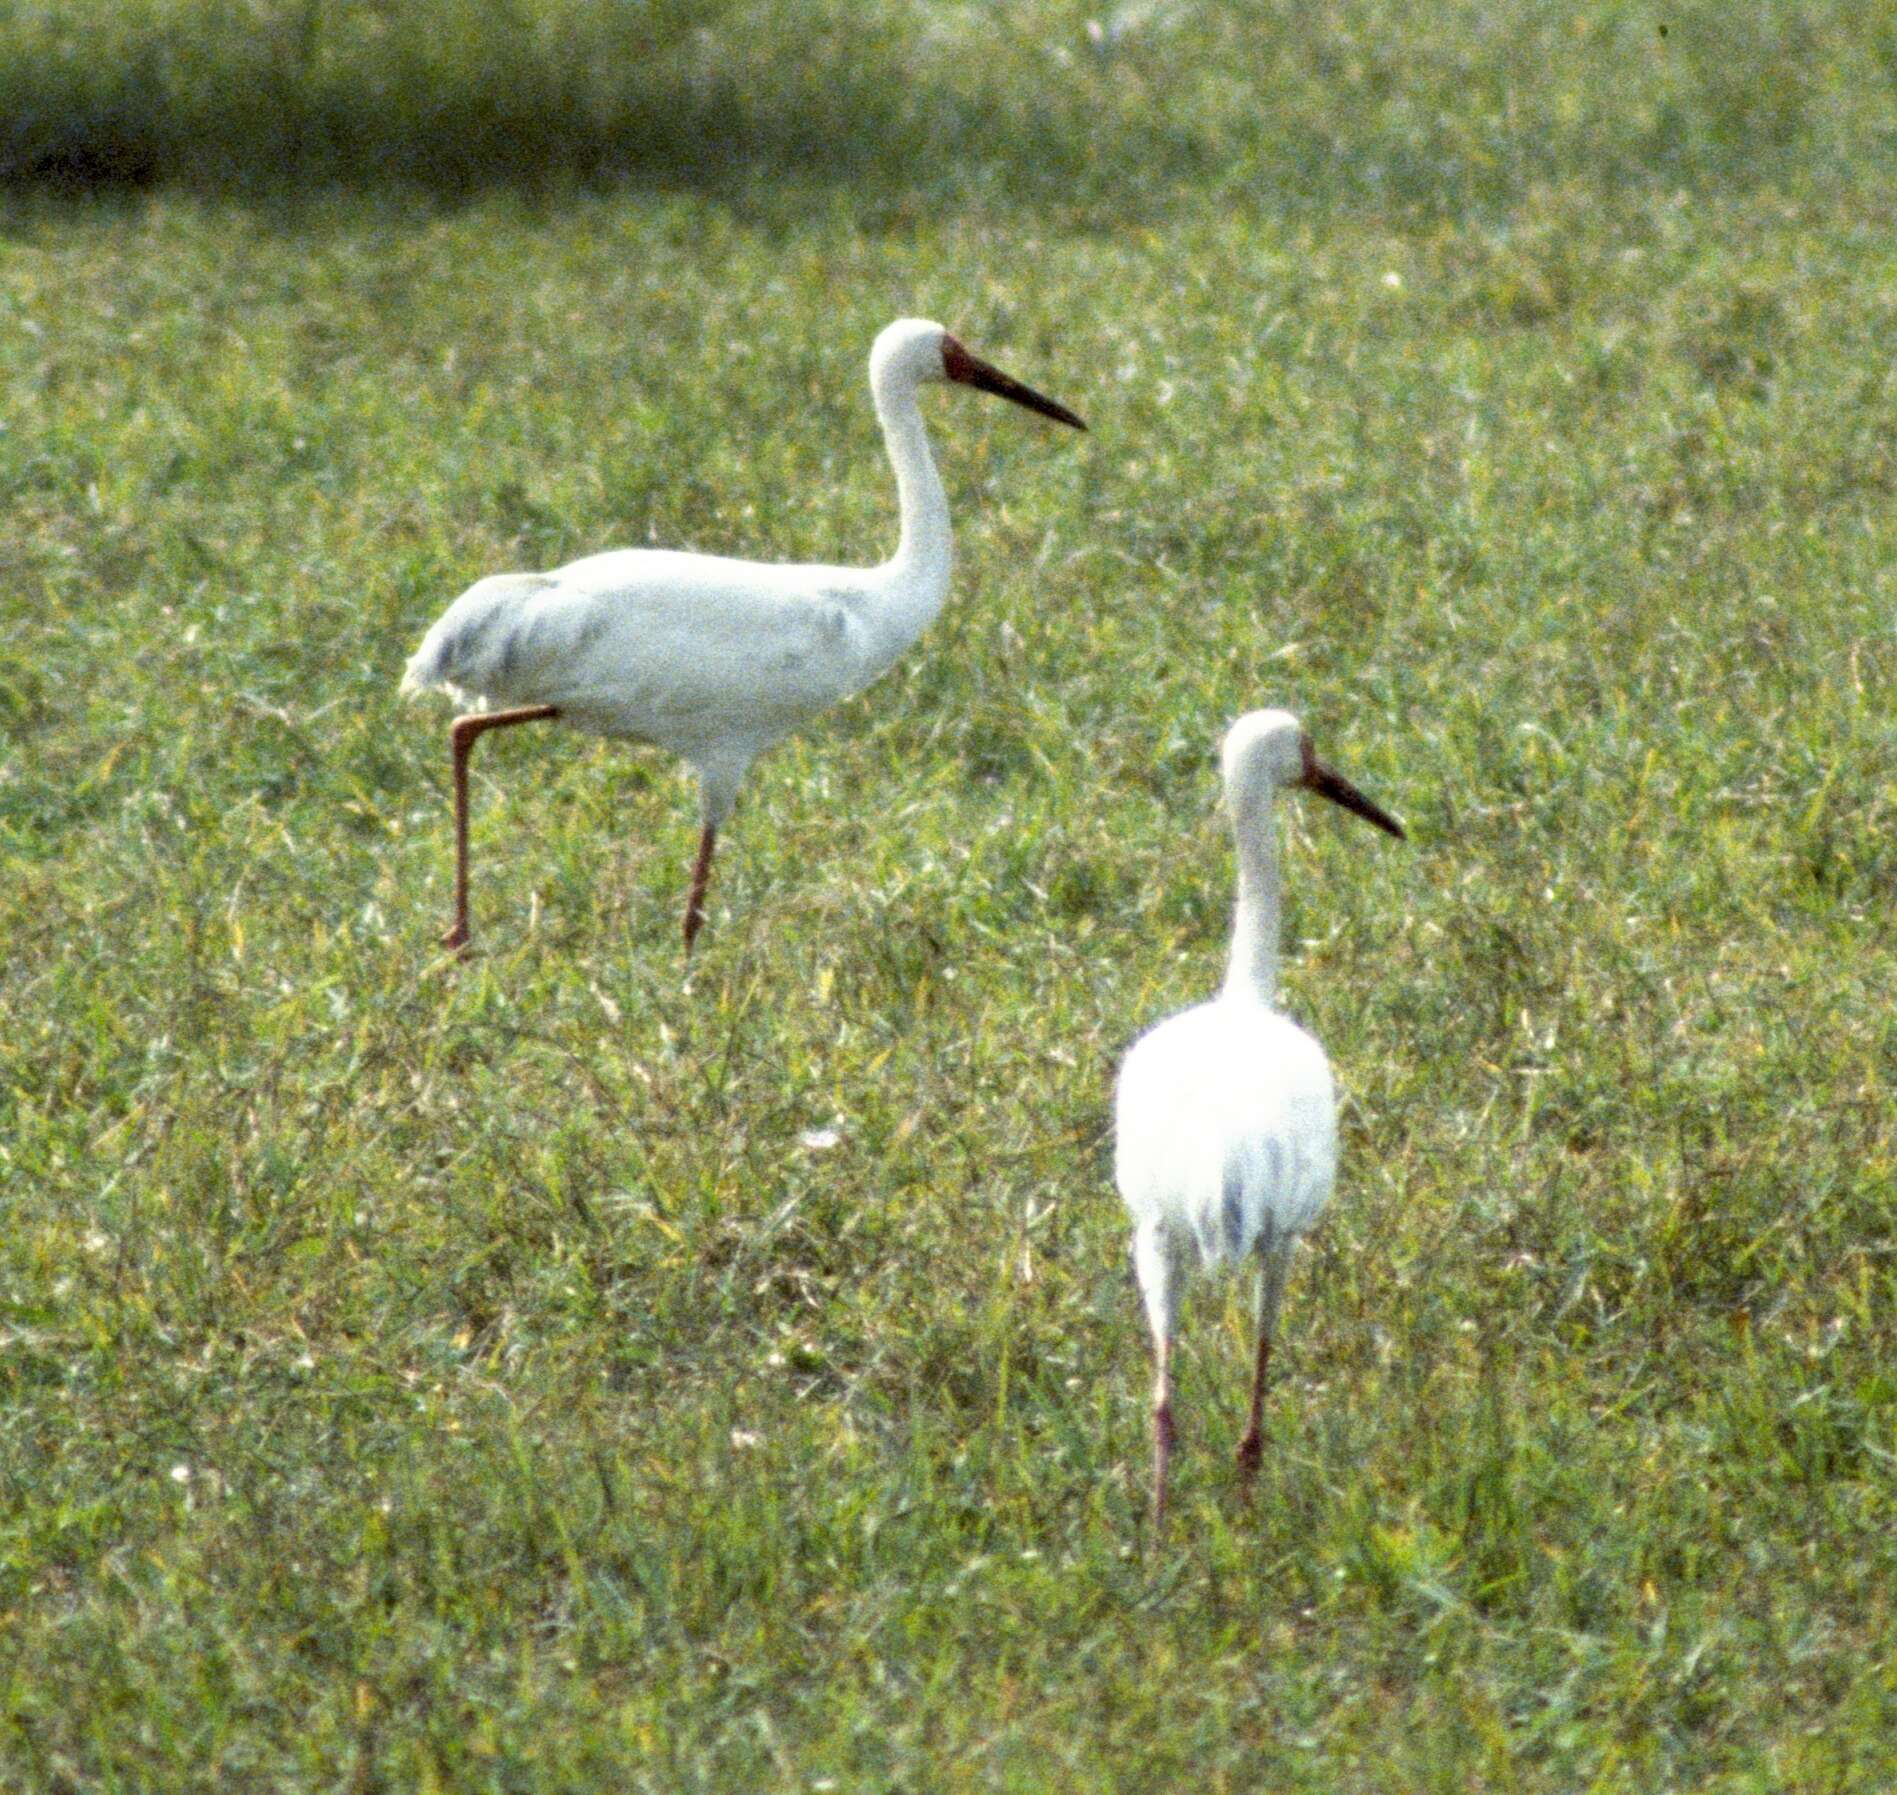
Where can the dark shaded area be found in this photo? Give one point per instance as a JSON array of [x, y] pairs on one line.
[[445, 98], [446, 143], [321, 100]]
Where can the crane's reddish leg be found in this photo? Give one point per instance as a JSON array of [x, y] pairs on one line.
[[701, 877], [462, 736], [1162, 1431], [1251, 1449]]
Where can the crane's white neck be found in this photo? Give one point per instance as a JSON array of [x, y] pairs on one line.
[[1252, 973], [915, 581]]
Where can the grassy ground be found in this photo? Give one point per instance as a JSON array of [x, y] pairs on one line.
[[551, 1374]]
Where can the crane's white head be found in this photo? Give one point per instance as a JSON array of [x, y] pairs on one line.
[[1266, 751], [913, 350]]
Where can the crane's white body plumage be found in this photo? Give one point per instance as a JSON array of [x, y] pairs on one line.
[[711, 658], [1225, 1137], [1225, 1115]]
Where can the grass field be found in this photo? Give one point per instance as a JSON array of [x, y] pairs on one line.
[[556, 1374]]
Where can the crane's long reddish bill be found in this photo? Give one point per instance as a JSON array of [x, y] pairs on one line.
[[1334, 786], [971, 370]]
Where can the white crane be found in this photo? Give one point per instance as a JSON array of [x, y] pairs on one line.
[[714, 659], [1225, 1120]]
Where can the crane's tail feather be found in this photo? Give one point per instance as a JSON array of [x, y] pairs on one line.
[[424, 669], [475, 636]]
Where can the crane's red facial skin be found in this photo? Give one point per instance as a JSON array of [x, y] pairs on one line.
[[970, 370], [1328, 784]]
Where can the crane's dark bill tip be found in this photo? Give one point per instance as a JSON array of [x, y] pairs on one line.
[[971, 370], [1334, 786]]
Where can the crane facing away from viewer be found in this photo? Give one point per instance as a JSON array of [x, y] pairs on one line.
[[1225, 1119]]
